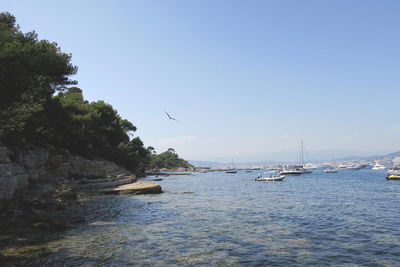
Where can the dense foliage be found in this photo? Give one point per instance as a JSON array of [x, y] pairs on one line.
[[32, 71], [168, 159]]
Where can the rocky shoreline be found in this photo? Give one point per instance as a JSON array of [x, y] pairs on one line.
[[42, 193]]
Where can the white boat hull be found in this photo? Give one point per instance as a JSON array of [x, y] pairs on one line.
[[291, 172], [379, 168], [270, 178]]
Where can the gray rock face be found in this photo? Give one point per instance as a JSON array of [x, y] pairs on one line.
[[3, 154], [40, 165], [12, 176], [9, 184]]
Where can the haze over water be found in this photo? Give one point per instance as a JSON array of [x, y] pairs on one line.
[[350, 217]]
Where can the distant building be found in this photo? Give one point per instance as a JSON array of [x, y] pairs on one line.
[[396, 160]]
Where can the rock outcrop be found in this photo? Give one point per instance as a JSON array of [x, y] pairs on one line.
[[19, 169], [140, 187], [43, 192], [43, 171], [12, 176]]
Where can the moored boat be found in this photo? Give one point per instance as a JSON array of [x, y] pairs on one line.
[[395, 170], [331, 170], [295, 171], [378, 166], [393, 177], [310, 166], [393, 174], [270, 178], [303, 168], [351, 166]]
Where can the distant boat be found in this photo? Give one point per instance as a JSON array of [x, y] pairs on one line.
[[393, 174], [393, 177], [292, 171], [296, 170], [303, 168], [310, 166], [333, 168], [378, 166], [351, 166], [271, 168], [232, 170], [271, 178]]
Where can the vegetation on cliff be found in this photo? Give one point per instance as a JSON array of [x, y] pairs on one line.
[[40, 106]]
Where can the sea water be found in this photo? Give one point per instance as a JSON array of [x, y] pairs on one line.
[[219, 219]]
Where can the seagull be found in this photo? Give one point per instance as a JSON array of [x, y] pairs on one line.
[[171, 118]]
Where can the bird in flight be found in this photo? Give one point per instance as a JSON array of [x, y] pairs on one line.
[[171, 118]]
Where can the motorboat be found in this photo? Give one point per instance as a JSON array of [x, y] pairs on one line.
[[310, 166], [231, 171], [294, 171], [271, 178], [395, 171], [378, 166], [331, 170], [393, 177]]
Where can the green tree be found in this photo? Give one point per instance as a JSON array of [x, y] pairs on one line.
[[31, 70]]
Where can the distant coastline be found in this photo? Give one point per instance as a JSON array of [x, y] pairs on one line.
[[391, 159]]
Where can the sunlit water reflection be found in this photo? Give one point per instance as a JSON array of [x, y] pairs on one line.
[[351, 217]]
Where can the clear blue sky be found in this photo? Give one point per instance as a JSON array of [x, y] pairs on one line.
[[244, 78]]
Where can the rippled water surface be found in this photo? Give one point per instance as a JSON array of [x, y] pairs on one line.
[[351, 217]]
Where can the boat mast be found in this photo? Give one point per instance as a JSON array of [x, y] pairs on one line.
[[302, 155]]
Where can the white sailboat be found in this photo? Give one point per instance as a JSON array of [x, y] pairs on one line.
[[302, 159], [233, 169], [296, 170], [333, 168]]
